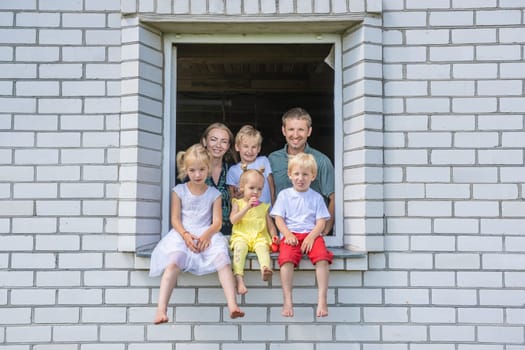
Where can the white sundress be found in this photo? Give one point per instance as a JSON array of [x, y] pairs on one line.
[[196, 217]]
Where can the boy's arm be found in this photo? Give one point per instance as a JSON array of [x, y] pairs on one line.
[[271, 226], [331, 210], [289, 237]]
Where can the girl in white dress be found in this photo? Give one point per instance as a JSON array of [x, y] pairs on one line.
[[194, 244]]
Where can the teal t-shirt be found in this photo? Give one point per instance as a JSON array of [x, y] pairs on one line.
[[324, 182]]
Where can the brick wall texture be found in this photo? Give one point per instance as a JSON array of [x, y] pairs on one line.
[[451, 271]]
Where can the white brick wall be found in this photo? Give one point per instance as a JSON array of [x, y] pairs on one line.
[[433, 181], [474, 94]]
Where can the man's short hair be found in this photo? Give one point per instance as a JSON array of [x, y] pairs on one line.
[[297, 113]]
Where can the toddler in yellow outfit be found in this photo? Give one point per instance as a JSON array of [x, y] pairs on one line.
[[252, 227]]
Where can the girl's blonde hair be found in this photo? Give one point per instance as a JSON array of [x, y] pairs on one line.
[[195, 153], [248, 131], [303, 160], [230, 156], [246, 175]]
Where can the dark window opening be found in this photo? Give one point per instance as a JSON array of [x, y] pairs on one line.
[[254, 84]]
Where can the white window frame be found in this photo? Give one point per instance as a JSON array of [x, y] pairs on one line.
[[169, 152]]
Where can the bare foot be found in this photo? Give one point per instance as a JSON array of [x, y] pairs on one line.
[[241, 287], [287, 310], [322, 310], [160, 317], [236, 313], [266, 274]]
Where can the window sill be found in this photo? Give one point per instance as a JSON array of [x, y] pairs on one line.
[[344, 260]]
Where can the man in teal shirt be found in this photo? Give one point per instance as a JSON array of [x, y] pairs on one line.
[[296, 128]]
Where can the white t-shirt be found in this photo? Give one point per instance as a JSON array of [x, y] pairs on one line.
[[300, 210], [235, 172]]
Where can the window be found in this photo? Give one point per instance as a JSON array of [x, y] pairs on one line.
[[150, 115], [253, 81]]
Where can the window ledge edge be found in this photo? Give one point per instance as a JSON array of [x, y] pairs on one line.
[[344, 260]]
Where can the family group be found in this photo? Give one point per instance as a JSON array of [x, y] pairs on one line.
[[283, 202]]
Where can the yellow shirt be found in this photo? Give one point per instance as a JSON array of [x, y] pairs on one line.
[[252, 228]]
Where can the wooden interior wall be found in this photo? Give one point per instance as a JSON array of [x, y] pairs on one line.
[[253, 84]]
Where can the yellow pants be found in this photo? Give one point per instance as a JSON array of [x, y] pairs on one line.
[[240, 250]]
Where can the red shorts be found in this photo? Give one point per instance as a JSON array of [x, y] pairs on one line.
[[293, 254]]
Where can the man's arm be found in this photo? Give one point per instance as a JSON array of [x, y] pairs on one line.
[[331, 209], [326, 173]]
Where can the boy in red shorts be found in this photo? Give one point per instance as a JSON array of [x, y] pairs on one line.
[[300, 214]]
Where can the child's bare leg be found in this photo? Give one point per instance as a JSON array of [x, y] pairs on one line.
[[286, 281], [167, 283], [322, 273], [228, 285], [241, 287]]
